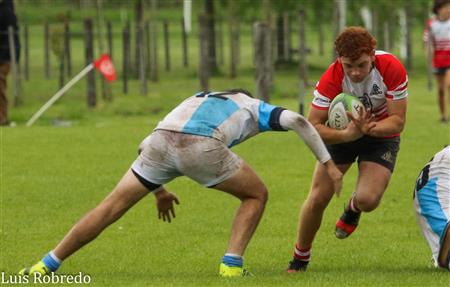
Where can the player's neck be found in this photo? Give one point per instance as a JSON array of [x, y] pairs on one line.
[[443, 18]]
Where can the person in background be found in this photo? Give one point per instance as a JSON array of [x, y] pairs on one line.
[[436, 37], [7, 18]]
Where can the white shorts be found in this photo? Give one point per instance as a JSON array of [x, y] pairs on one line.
[[165, 155], [432, 206]]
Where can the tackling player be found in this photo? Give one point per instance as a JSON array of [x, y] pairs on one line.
[[194, 140], [432, 206], [379, 80]]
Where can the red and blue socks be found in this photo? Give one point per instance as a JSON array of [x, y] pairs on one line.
[[302, 254]]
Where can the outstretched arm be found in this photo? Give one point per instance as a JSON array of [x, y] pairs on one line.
[[293, 121]]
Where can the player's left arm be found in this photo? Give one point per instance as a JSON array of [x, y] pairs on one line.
[[305, 130], [394, 123]]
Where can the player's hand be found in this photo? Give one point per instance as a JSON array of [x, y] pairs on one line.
[[364, 121], [352, 132], [164, 204], [335, 175]]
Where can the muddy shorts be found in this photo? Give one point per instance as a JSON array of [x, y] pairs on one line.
[[165, 155]]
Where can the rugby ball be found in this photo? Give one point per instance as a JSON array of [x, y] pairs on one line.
[[342, 103]]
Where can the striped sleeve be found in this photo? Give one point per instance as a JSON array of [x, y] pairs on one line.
[[328, 87], [395, 78]]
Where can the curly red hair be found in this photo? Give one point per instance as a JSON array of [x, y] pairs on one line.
[[353, 42]]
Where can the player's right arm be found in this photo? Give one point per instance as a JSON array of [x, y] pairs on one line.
[[318, 118]]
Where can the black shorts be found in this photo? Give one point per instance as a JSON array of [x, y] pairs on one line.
[[380, 150], [441, 70]]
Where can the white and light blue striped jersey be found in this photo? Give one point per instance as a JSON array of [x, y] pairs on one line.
[[230, 117], [432, 199]]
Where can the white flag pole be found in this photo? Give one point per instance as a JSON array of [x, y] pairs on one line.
[[59, 94]]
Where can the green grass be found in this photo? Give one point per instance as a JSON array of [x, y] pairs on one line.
[[50, 176]]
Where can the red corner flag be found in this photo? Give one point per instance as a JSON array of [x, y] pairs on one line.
[[106, 67]]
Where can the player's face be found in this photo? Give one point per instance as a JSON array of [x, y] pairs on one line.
[[444, 12], [357, 69]]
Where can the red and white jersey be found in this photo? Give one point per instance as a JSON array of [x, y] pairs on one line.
[[439, 33], [386, 81]]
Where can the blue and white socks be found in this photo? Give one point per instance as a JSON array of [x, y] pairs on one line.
[[51, 261], [232, 260]]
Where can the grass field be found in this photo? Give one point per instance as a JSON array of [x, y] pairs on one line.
[[51, 175]]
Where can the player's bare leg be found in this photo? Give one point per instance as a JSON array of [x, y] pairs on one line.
[[372, 182], [127, 192], [246, 186], [442, 84], [311, 215]]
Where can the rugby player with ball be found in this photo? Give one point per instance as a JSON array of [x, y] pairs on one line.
[[371, 138]]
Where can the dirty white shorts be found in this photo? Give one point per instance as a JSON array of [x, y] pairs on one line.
[[165, 155]]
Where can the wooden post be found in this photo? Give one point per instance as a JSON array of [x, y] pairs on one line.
[[14, 66], [204, 65], [375, 23], [110, 39], [220, 42], [67, 52], [302, 63], [89, 54], [154, 51], [386, 34], [139, 14], [320, 30], [279, 38], [234, 39], [409, 14], [46, 50], [184, 42], [166, 44], [287, 37], [126, 56], [106, 87], [263, 60], [339, 20], [211, 33], [147, 46], [27, 53], [61, 70], [142, 61]]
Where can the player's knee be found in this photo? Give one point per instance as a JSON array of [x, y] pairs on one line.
[[263, 194], [258, 192], [367, 203]]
